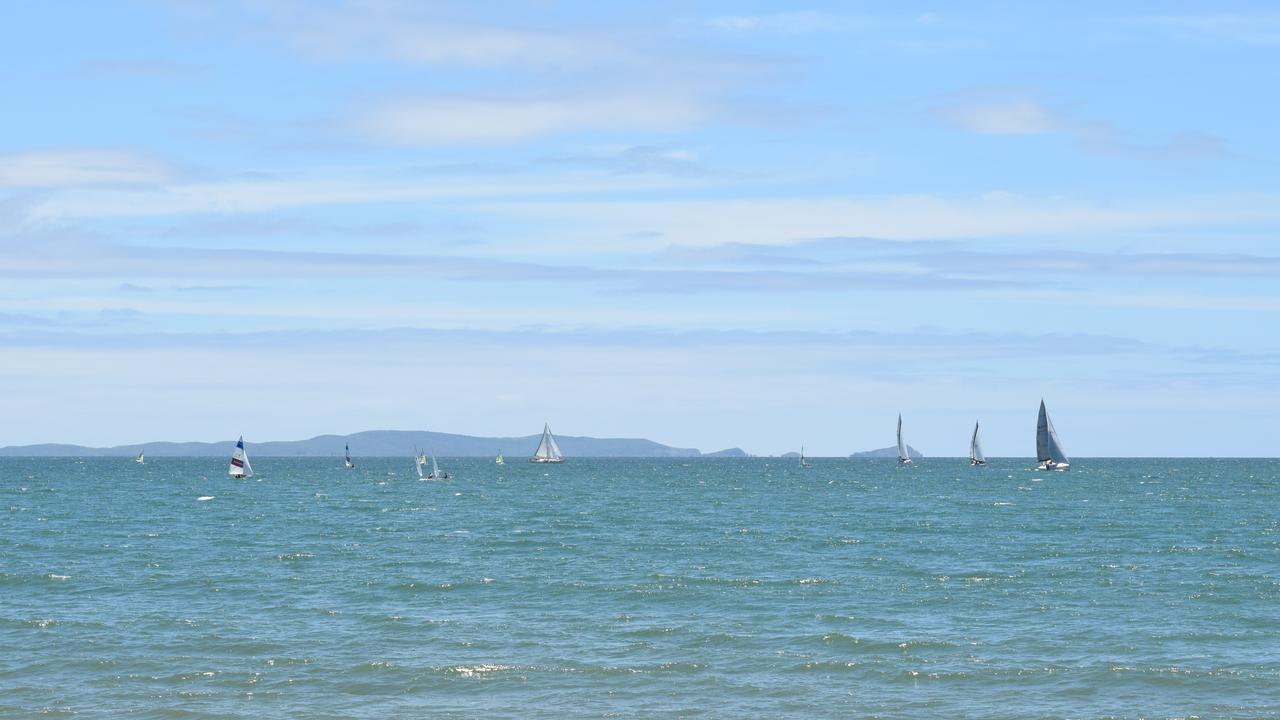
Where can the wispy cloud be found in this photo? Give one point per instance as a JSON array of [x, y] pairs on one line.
[[773, 221], [970, 260], [353, 186], [80, 167], [638, 159], [1219, 28], [447, 120], [1014, 113], [1003, 117], [788, 23], [421, 33]]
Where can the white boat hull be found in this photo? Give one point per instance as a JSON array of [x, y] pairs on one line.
[[1051, 465], [546, 460]]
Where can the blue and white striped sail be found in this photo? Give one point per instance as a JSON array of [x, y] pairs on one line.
[[240, 466]]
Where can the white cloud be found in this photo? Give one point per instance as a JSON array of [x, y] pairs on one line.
[[895, 217], [357, 187], [1004, 117], [474, 120], [1226, 28], [70, 168], [788, 23], [414, 33], [1017, 115]]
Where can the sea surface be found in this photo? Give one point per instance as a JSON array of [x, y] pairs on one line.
[[705, 588]]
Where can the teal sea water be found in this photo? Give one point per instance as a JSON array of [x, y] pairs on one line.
[[639, 588]]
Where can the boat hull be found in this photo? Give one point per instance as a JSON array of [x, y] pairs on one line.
[[546, 460], [1051, 465]]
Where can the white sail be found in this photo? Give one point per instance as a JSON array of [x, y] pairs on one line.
[[975, 448], [417, 465], [347, 457], [1049, 452], [240, 466], [498, 460], [142, 457], [548, 449], [903, 457]]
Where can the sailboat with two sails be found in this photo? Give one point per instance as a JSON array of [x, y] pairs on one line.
[[436, 473], [975, 448], [142, 457], [548, 449], [803, 462], [346, 462], [1049, 452], [240, 467], [904, 458]]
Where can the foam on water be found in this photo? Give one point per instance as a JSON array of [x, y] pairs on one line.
[[640, 588]]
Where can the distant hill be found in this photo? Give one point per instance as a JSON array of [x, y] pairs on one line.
[[889, 452], [729, 453], [379, 443]]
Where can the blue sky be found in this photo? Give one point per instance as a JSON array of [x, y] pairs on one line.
[[711, 225]]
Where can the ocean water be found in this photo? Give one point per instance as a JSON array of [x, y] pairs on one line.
[[639, 588]]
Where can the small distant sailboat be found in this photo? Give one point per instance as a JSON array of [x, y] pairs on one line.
[[975, 448], [347, 461], [240, 467], [548, 450], [1049, 451], [436, 474], [417, 465], [422, 457], [904, 458], [142, 457], [498, 460], [803, 463]]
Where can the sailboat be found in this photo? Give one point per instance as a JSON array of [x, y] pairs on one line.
[[240, 467], [142, 457], [422, 457], [347, 462], [803, 463], [548, 451], [904, 458], [975, 448], [417, 464], [1049, 451], [435, 470], [498, 460]]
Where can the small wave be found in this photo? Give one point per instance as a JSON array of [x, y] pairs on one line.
[[481, 670], [290, 557], [205, 498], [55, 576], [824, 666]]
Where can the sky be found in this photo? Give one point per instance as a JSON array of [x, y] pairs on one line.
[[709, 224]]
